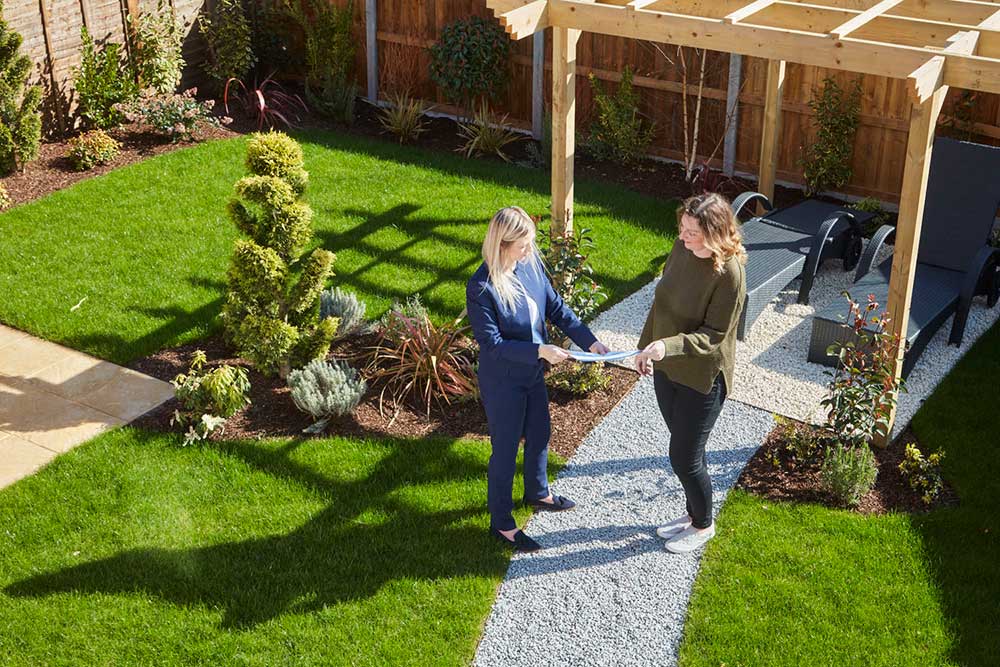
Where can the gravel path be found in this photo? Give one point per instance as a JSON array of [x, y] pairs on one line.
[[621, 597]]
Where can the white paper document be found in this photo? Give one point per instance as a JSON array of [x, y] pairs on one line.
[[593, 356]]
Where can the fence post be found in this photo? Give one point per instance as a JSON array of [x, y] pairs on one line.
[[371, 48], [732, 113], [537, 82]]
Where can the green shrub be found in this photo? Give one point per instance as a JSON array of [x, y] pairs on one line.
[[827, 162], [272, 304], [325, 390], [923, 474], [578, 378], [20, 120], [156, 42], [470, 61], [848, 473], [175, 116], [618, 132], [103, 81], [227, 36], [208, 398], [864, 388], [567, 261], [90, 149], [872, 205], [345, 307], [404, 117], [801, 441], [486, 135], [329, 51], [416, 360]]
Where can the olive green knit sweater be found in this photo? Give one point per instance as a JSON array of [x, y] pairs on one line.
[[695, 313]]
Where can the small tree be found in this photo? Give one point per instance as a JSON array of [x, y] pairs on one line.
[[272, 317], [20, 120], [228, 38], [827, 162], [618, 132]]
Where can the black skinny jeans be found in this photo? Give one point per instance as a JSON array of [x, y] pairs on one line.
[[690, 416]]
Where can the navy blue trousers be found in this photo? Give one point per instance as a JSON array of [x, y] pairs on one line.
[[515, 408]]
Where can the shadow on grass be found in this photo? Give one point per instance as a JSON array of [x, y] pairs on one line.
[[962, 544], [338, 555]]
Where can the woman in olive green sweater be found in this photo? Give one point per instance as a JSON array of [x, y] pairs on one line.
[[689, 347]]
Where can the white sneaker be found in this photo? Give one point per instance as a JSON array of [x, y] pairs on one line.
[[674, 527], [689, 539]]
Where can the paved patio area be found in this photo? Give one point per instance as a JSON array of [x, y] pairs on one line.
[[53, 398]]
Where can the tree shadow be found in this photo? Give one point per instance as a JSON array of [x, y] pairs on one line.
[[338, 555]]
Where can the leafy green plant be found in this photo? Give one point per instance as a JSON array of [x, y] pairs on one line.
[[801, 441], [346, 307], [567, 262], [848, 473], [103, 81], [827, 162], [404, 117], [20, 120], [578, 378], [325, 390], [90, 149], [486, 136], [329, 51], [176, 116], [864, 388], [272, 303], [156, 42], [228, 40], [872, 205], [470, 61], [415, 359], [923, 473], [619, 132], [208, 398]]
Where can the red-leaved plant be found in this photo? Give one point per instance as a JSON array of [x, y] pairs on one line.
[[415, 359], [864, 387], [266, 102]]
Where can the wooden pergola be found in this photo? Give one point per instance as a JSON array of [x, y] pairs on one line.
[[932, 44]]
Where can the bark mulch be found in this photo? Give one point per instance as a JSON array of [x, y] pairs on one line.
[[773, 473], [272, 413]]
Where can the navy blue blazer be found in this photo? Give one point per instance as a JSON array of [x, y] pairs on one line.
[[504, 337]]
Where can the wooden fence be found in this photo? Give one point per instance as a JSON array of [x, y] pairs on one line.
[[401, 31]]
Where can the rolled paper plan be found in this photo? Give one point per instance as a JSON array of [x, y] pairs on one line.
[[580, 355]]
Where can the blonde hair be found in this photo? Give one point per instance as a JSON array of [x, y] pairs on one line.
[[508, 226], [719, 226]]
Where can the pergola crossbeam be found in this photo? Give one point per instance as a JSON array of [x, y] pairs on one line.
[[524, 20], [843, 30], [747, 11]]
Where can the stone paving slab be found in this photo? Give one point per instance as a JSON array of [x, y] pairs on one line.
[[53, 398]]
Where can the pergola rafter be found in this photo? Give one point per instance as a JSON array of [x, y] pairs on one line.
[[932, 44]]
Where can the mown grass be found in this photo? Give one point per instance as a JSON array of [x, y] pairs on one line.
[[134, 261]]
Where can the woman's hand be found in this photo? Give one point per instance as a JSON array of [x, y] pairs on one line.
[[599, 348], [655, 351], [552, 354]]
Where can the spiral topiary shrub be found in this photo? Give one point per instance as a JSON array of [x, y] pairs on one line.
[[272, 305], [20, 120]]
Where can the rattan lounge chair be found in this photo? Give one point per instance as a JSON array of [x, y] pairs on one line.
[[786, 243], [954, 263]]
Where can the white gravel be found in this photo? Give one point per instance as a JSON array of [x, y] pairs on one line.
[[603, 591]]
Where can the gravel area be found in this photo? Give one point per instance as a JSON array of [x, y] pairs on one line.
[[771, 369], [604, 591]]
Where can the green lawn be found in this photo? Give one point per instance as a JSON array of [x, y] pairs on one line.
[[145, 248], [796, 584], [133, 550]]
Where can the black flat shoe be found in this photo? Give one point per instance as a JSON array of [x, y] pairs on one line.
[[558, 504], [521, 542]]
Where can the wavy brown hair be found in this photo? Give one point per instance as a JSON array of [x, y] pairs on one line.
[[719, 226]]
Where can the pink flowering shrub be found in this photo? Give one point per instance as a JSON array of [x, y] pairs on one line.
[[178, 116]]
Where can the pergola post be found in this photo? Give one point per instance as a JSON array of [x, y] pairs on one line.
[[564, 42], [771, 130], [923, 118]]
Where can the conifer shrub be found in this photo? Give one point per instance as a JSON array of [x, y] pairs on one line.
[[20, 119], [91, 149]]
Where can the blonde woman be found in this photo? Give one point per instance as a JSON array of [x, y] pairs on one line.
[[689, 347], [509, 298]]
